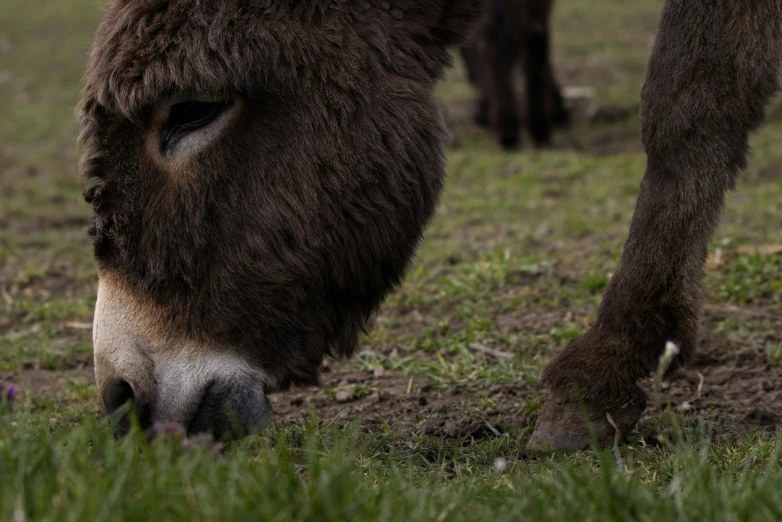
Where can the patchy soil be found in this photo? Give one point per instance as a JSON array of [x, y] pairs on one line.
[[410, 405], [48, 384], [734, 386], [729, 382]]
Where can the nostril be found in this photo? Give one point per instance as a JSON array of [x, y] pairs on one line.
[[115, 396]]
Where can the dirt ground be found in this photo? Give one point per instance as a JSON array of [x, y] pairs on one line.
[[732, 385]]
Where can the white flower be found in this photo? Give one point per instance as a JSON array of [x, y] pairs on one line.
[[671, 350]]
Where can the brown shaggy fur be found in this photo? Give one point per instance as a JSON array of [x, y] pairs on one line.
[[713, 69], [514, 32], [282, 241], [285, 242]]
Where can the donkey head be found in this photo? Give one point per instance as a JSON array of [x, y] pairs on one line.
[[260, 173]]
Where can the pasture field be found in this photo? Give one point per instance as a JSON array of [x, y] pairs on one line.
[[430, 420]]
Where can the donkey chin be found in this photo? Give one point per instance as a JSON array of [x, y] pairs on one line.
[[166, 377]]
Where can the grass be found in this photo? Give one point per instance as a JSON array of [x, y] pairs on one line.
[[315, 473], [412, 428]]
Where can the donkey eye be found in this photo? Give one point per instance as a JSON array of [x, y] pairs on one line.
[[188, 116]]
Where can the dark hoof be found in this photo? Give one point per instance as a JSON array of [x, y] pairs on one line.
[[562, 425], [542, 143], [541, 135], [508, 132], [479, 114], [562, 118]]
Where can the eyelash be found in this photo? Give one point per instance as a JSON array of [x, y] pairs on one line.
[[179, 122]]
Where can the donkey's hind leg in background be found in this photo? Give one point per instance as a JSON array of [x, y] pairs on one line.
[[541, 89], [514, 32]]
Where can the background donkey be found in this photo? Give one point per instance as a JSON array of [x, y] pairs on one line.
[[513, 32]]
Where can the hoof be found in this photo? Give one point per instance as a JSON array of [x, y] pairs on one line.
[[563, 425], [509, 134], [541, 135], [542, 144], [562, 118], [479, 114]]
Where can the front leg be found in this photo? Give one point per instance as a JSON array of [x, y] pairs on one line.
[[713, 69]]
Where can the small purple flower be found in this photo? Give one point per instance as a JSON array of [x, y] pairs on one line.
[[168, 429], [8, 393], [171, 429], [202, 440]]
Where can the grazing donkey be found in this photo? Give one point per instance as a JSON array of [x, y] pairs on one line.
[[261, 173], [512, 32]]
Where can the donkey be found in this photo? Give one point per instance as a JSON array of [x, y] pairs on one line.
[[512, 32], [261, 172]]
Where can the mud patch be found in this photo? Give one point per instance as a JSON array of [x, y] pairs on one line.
[[732, 385], [729, 382], [47, 384], [411, 406]]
